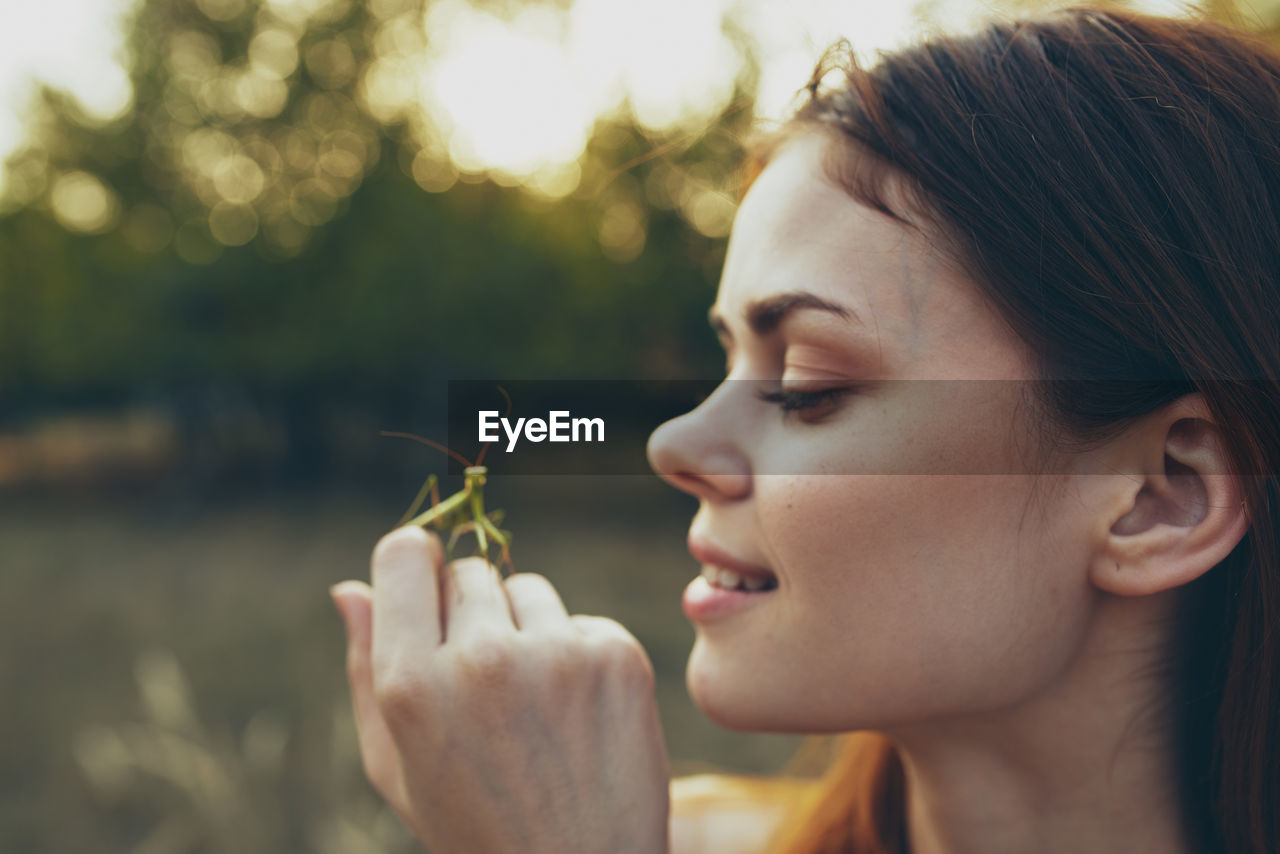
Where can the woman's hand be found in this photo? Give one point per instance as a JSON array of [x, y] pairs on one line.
[[494, 722]]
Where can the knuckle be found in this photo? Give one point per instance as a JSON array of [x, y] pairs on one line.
[[614, 650], [559, 666], [471, 564], [531, 588], [468, 574], [623, 655], [530, 582], [589, 624], [485, 659], [399, 698]]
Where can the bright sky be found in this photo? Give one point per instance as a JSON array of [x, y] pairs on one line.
[[521, 94], [76, 45]]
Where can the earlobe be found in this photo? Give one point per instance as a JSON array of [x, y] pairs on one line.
[[1180, 515]]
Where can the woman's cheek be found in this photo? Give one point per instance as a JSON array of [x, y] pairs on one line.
[[904, 585]]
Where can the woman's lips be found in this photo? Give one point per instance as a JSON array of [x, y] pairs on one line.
[[704, 601], [706, 553]]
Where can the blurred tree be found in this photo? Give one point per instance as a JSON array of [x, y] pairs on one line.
[[266, 219], [279, 220]]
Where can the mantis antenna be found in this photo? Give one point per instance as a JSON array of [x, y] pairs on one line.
[[463, 512]]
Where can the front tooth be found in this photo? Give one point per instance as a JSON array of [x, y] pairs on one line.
[[754, 582], [729, 578], [710, 574]]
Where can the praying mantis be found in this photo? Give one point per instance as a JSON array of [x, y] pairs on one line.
[[463, 511]]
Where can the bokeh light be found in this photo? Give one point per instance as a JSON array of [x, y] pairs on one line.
[[268, 136], [503, 92], [81, 202], [72, 45]]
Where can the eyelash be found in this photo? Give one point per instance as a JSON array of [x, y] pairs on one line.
[[801, 401]]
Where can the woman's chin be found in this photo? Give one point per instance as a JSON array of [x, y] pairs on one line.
[[732, 697], [740, 694]]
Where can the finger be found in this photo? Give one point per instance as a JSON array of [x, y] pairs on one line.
[[617, 644], [378, 750], [602, 627], [476, 601], [535, 604], [406, 597]]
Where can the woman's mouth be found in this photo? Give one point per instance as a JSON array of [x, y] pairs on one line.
[[726, 584], [718, 592], [727, 579]]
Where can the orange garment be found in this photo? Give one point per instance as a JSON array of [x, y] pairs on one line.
[[731, 813]]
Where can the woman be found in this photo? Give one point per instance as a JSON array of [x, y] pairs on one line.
[[994, 462]]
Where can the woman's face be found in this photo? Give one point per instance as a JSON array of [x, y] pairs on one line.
[[923, 587]]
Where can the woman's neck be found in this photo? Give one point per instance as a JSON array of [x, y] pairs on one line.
[[1085, 765]]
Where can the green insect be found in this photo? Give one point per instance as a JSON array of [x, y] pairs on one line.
[[463, 512]]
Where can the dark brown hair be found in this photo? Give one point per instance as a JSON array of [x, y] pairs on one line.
[[1111, 182]]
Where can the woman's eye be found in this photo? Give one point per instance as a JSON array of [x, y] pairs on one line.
[[821, 401]]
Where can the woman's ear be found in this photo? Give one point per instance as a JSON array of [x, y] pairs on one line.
[[1179, 512]]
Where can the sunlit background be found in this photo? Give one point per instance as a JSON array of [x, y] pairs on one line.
[[238, 238], [512, 91]]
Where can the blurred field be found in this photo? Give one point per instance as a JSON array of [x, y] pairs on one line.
[[173, 666]]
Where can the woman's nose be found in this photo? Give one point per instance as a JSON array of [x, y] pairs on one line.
[[692, 458]]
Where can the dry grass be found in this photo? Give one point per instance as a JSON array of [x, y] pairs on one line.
[[173, 668]]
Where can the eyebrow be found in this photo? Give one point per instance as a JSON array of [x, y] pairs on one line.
[[764, 316]]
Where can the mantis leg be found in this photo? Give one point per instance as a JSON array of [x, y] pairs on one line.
[[477, 509], [455, 523], [450, 504], [502, 538], [499, 536], [458, 531], [428, 487]]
